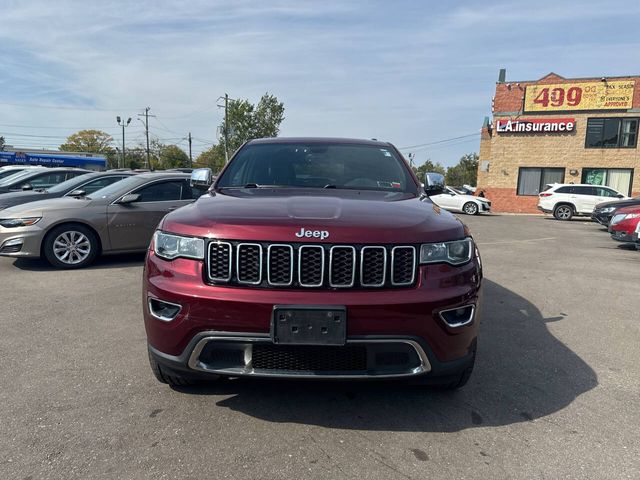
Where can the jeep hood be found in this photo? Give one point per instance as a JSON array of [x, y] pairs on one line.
[[347, 216]]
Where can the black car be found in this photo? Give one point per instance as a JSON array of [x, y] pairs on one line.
[[38, 178], [604, 212], [75, 187]]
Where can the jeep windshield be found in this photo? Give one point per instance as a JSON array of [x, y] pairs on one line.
[[318, 165]]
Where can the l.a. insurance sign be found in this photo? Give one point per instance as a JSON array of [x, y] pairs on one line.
[[613, 95], [536, 125]]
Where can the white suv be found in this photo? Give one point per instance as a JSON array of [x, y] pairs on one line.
[[566, 200]]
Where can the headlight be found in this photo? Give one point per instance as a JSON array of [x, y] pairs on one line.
[[18, 222], [607, 209], [169, 246], [616, 219], [455, 253]]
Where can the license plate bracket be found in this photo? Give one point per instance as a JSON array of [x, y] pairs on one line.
[[309, 325]]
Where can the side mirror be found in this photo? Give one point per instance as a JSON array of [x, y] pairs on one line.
[[433, 183], [129, 198], [27, 186], [201, 178], [77, 193], [619, 196]]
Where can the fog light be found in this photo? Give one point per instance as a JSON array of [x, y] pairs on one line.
[[12, 246], [458, 317], [165, 311]]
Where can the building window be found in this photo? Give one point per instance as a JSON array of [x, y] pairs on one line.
[[617, 178], [532, 181], [611, 133]]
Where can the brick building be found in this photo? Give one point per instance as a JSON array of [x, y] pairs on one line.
[[559, 130]]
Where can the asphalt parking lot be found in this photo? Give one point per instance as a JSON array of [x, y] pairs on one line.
[[554, 394]]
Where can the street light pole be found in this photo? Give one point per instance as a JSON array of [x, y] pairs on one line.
[[123, 124]]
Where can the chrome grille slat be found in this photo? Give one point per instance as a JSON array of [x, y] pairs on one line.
[[220, 260], [249, 263], [280, 265], [296, 265], [373, 266], [403, 265], [342, 266], [311, 265]]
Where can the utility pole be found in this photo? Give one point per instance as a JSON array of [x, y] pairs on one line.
[[226, 125], [411, 157], [226, 128], [124, 124], [190, 157], [146, 129]]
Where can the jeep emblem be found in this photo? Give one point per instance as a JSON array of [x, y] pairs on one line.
[[321, 234]]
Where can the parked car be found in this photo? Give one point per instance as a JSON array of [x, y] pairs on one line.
[[458, 201], [566, 200], [604, 212], [624, 224], [317, 258], [37, 178], [76, 187], [71, 231], [13, 169]]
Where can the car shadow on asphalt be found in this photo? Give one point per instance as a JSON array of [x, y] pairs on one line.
[[523, 373], [107, 261]]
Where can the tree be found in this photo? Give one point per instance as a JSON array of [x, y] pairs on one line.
[[212, 158], [172, 156], [426, 167], [1, 144], [248, 121], [92, 141], [465, 172]]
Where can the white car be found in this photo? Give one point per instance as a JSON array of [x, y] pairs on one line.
[[7, 170], [457, 201], [565, 200]]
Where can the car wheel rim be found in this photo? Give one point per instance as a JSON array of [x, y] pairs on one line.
[[71, 247], [563, 213], [470, 209]]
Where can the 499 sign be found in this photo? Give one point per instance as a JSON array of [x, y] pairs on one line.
[[613, 95]]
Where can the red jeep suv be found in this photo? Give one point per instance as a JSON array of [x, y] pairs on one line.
[[313, 258]]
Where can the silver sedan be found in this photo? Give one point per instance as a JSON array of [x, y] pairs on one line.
[[72, 232]]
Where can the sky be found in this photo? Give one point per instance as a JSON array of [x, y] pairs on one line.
[[420, 74]]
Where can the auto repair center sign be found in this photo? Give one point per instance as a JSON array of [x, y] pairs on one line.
[[536, 125]]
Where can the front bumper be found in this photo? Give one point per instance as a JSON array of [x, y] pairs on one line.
[[622, 236], [21, 241], [395, 333], [485, 207], [601, 218]]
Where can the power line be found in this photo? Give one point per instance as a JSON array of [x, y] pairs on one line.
[[438, 141], [49, 127]]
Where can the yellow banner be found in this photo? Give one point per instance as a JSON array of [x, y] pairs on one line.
[[566, 97]]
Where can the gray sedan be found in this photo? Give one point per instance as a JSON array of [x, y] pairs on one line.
[[70, 232]]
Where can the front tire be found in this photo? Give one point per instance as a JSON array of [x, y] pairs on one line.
[[563, 212], [70, 246], [171, 379], [470, 208]]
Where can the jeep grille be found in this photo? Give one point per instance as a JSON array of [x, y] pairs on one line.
[[293, 265]]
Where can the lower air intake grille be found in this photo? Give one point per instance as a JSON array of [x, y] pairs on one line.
[[310, 358]]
